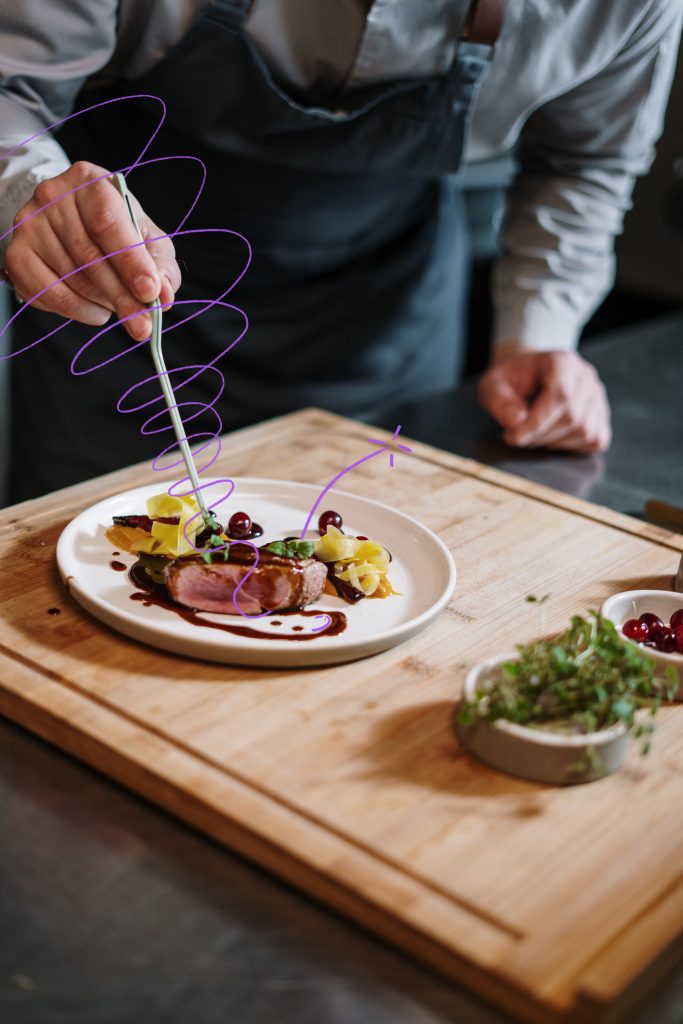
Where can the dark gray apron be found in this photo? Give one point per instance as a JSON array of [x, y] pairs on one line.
[[355, 294]]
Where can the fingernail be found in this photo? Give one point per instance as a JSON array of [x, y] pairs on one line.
[[146, 287]]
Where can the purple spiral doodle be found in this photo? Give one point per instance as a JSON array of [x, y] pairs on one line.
[[127, 403], [210, 438]]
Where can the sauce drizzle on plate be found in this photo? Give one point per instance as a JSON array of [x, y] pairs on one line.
[[150, 593]]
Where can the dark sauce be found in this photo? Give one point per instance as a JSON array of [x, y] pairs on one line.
[[351, 594], [117, 566], [54, 611], [151, 593], [256, 531], [115, 554]]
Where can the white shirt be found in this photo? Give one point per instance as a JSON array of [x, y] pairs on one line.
[[579, 86]]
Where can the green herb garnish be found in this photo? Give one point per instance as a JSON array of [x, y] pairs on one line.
[[291, 548], [532, 599], [588, 679], [154, 566], [211, 552]]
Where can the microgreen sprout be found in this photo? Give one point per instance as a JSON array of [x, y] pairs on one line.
[[291, 548], [216, 548], [587, 679]]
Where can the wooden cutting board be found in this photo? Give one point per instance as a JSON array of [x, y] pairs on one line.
[[558, 904]]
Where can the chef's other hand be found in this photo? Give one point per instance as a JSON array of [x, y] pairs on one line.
[[547, 399], [79, 228]]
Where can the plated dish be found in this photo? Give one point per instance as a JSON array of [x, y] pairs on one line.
[[328, 629]]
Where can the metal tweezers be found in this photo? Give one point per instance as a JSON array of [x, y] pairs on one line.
[[119, 183]]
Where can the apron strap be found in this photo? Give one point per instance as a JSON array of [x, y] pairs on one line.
[[483, 21]]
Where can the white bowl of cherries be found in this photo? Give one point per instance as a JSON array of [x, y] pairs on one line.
[[652, 619]]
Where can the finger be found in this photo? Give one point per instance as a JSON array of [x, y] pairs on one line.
[[575, 443], [84, 253], [160, 248], [107, 221], [50, 249], [501, 399], [31, 276], [595, 438], [63, 206], [544, 415], [167, 293]]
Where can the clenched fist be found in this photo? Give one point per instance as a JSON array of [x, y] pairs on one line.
[[77, 229], [547, 399]]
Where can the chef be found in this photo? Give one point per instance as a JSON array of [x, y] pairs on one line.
[[334, 134]]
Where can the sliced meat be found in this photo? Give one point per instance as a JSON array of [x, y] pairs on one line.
[[276, 584]]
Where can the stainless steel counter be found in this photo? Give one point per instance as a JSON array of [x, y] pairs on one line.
[[111, 912]]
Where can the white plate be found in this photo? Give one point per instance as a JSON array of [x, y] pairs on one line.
[[422, 571]]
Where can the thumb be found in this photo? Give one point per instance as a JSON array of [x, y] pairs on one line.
[[501, 400]]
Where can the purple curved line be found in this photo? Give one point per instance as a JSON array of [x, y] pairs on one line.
[[162, 159], [105, 177], [387, 444], [86, 110], [331, 484], [202, 487], [200, 408], [190, 437], [209, 303], [384, 445], [176, 387], [206, 305], [197, 515]]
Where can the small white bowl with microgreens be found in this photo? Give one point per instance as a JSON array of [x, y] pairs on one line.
[[561, 711]]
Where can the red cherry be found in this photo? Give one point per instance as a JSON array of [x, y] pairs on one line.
[[677, 619], [657, 631], [634, 629], [650, 619], [239, 525], [678, 633], [666, 642], [329, 518]]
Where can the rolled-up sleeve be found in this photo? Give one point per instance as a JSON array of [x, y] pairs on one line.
[[578, 157], [47, 51]]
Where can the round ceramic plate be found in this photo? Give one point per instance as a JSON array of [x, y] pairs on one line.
[[422, 571]]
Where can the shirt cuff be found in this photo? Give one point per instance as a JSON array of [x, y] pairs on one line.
[[535, 325], [17, 195]]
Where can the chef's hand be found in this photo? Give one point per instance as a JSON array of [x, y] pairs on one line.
[[82, 227], [546, 399]]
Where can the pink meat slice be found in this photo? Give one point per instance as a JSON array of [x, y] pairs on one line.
[[276, 584]]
